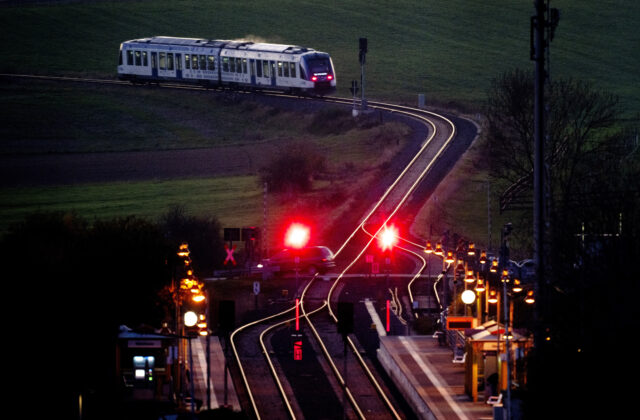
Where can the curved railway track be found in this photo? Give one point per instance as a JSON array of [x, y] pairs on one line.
[[366, 395]]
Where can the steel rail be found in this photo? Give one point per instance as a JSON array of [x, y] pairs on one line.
[[361, 226], [242, 372]]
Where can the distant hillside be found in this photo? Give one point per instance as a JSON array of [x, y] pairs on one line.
[[448, 50]]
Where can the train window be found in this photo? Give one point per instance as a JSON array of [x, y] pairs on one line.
[[154, 63], [259, 68], [145, 60], [302, 73], [203, 62], [178, 61], [169, 61], [265, 68], [244, 65], [129, 57], [187, 61], [293, 69], [279, 68], [138, 58], [211, 62], [286, 69], [163, 61], [232, 65], [225, 64], [194, 62], [238, 65]]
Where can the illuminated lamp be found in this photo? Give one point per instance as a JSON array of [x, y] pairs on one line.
[[472, 249], [469, 278], [493, 297], [480, 286], [297, 236], [388, 238], [530, 299], [314, 78], [428, 249], [468, 297], [494, 266], [198, 298], [517, 287], [449, 258], [505, 276], [190, 319], [439, 250], [483, 257]]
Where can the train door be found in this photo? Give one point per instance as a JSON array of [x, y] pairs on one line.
[[252, 71], [154, 64], [272, 64], [178, 66]]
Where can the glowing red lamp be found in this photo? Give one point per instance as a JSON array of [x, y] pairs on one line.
[[297, 236], [388, 238]]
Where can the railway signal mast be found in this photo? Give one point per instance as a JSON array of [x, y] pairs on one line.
[[363, 58]]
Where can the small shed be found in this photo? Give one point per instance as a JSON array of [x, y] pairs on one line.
[[486, 359]]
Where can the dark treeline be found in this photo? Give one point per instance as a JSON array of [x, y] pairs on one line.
[[586, 310]]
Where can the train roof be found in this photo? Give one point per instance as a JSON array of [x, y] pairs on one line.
[[238, 45]]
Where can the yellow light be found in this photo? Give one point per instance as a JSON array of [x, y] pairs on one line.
[[198, 298], [517, 287], [449, 258], [494, 266], [472, 249], [530, 299], [480, 286], [483, 257], [428, 249], [493, 297], [469, 278], [439, 250]]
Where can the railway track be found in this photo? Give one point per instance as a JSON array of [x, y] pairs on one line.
[[364, 394]]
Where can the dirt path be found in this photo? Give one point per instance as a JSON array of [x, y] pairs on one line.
[[57, 169]]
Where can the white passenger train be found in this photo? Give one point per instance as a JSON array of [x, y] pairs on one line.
[[233, 64]]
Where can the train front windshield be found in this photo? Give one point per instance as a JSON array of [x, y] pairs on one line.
[[319, 65]]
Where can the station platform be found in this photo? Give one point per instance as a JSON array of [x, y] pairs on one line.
[[431, 382], [217, 374]]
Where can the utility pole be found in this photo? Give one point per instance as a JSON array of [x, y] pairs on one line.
[[543, 25]]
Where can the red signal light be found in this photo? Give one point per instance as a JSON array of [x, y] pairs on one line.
[[388, 238], [329, 77], [297, 236], [314, 78]]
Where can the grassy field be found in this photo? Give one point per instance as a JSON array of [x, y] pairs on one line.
[[448, 50]]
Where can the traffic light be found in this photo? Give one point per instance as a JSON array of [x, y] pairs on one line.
[[297, 236], [388, 238]]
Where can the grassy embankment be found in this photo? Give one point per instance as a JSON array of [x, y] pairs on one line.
[[448, 50]]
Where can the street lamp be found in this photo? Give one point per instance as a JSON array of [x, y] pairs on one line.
[[468, 296]]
